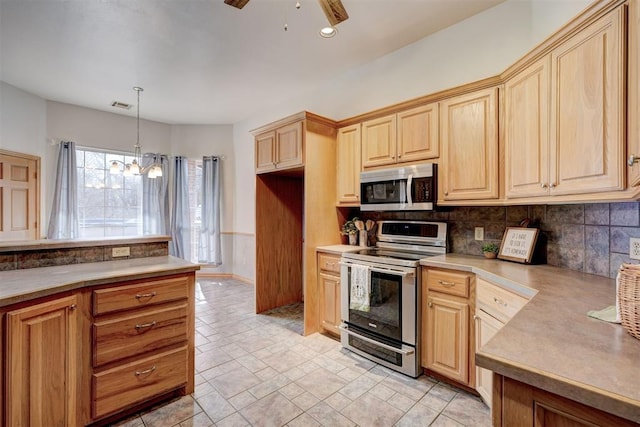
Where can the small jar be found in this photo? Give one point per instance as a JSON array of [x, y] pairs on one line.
[[353, 239]]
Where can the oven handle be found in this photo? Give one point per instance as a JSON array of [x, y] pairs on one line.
[[378, 343], [409, 183], [382, 270]]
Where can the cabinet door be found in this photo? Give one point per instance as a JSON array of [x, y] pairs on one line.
[[42, 364], [289, 146], [588, 111], [418, 134], [526, 131], [486, 328], [633, 102], [265, 154], [469, 135], [330, 302], [379, 141], [18, 198], [448, 337], [348, 159]]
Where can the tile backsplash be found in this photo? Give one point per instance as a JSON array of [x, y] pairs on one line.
[[593, 238]]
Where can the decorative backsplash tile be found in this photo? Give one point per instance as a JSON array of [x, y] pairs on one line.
[[592, 237], [51, 257]]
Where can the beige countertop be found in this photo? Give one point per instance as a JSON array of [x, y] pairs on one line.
[[43, 244], [551, 343], [23, 285], [339, 249]]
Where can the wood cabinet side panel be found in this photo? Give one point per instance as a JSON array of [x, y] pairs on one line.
[[633, 91]]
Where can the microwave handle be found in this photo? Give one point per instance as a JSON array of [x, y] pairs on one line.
[[409, 183]]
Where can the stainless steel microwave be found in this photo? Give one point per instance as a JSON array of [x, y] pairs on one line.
[[400, 188]]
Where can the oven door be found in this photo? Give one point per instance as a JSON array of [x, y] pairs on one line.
[[391, 312]]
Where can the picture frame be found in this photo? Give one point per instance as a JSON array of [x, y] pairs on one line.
[[518, 244]]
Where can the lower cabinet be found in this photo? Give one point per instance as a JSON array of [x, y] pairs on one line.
[[520, 404], [43, 363], [98, 352], [447, 331], [329, 284], [494, 308]]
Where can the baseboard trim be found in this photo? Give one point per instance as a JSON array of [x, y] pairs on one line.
[[224, 276]]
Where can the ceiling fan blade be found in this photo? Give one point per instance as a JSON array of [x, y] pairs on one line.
[[237, 3], [334, 11]]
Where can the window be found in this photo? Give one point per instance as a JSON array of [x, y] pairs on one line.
[[108, 205]]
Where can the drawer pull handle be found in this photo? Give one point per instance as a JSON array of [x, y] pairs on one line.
[[447, 284], [146, 371], [499, 301], [150, 295], [146, 325]]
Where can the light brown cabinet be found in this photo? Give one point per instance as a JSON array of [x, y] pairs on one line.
[[329, 292], [43, 364], [348, 166], [408, 136], [446, 328], [280, 149], [468, 167], [587, 110], [520, 404], [142, 332], [495, 306]]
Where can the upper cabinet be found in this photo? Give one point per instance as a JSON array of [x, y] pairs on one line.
[[281, 148], [526, 131], [348, 165], [633, 131], [379, 142], [408, 136], [468, 167], [587, 109]]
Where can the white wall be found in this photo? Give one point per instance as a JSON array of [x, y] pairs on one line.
[[23, 129]]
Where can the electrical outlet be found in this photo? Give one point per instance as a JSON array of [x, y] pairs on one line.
[[634, 248], [479, 233], [119, 252]]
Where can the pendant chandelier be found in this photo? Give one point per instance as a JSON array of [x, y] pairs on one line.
[[135, 167]]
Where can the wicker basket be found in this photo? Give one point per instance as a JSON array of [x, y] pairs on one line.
[[629, 298]]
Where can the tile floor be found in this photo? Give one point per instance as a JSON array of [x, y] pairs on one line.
[[258, 370]]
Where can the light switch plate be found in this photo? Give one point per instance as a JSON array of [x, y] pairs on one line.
[[634, 248], [479, 233], [119, 252]]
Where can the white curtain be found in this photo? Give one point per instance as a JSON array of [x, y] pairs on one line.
[[209, 241], [63, 223], [155, 196], [180, 223]]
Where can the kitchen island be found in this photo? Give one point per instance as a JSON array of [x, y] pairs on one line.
[[89, 343], [551, 344]]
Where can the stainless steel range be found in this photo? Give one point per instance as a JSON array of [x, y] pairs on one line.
[[380, 288]]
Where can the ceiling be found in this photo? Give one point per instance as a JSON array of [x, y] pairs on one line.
[[201, 61]]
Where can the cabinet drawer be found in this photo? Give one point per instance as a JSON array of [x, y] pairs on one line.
[[449, 282], [134, 382], [498, 302], [140, 331], [139, 295], [330, 263]]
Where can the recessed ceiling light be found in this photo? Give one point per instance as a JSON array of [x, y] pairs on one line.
[[328, 32]]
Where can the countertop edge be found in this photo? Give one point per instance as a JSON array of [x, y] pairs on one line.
[[164, 265], [45, 244]]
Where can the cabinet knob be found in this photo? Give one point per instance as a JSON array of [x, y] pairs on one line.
[[552, 185], [475, 317], [73, 307], [446, 193], [430, 304], [633, 159], [543, 185]]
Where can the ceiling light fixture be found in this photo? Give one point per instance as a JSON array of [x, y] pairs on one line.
[[135, 167], [328, 32]]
